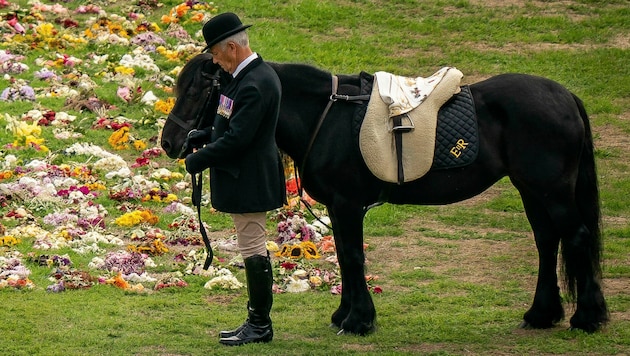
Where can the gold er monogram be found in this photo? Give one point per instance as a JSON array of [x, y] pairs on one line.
[[459, 147]]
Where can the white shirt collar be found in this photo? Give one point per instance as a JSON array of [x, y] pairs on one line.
[[244, 63]]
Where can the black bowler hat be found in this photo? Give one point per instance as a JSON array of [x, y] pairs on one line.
[[221, 27]]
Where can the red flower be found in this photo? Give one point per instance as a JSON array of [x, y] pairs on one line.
[[288, 265], [141, 161], [292, 185]]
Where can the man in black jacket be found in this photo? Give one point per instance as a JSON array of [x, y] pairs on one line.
[[246, 173]]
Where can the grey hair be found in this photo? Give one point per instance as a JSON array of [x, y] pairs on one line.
[[240, 38]]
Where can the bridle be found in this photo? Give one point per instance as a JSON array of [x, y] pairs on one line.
[[198, 123], [197, 178]]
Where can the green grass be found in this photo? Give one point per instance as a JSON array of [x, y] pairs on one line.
[[457, 278]]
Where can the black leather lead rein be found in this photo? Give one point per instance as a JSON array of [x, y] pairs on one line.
[[197, 178]]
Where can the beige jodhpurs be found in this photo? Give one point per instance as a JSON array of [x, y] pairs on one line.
[[250, 233]]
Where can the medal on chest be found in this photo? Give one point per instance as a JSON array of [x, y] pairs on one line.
[[225, 106]]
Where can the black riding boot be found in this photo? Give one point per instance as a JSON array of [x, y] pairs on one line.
[[257, 327]]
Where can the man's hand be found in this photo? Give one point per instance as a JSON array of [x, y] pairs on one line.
[[195, 139]]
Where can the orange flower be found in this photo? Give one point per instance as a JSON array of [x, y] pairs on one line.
[[327, 244], [181, 10], [120, 282], [197, 17]]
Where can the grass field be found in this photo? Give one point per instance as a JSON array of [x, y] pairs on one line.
[[456, 279]]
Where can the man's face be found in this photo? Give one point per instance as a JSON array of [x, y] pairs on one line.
[[225, 57]]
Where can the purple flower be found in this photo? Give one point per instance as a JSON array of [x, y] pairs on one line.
[[45, 74], [27, 92], [56, 288], [5, 94]]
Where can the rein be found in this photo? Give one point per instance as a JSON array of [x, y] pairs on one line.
[[332, 99], [197, 178]]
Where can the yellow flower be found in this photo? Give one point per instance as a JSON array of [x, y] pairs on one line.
[[21, 128], [309, 250], [164, 107], [170, 198], [139, 145], [272, 246], [45, 30], [32, 140], [88, 33], [124, 70], [155, 27], [136, 217], [96, 186], [6, 175], [9, 240], [119, 139]]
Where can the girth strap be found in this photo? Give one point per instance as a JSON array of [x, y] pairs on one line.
[[398, 128]]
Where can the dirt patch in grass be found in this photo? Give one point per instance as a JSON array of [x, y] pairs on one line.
[[611, 136], [474, 260]]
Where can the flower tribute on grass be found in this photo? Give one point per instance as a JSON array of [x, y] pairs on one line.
[[84, 93]]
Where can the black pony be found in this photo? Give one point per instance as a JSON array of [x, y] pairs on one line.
[[531, 129]]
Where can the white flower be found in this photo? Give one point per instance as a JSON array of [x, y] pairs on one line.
[[140, 278], [88, 149], [149, 98], [85, 249], [297, 285], [149, 262], [224, 282], [37, 165], [96, 263], [64, 117], [110, 164], [320, 226], [9, 161], [122, 172], [99, 59]]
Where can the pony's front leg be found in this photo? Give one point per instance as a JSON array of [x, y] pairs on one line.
[[356, 313]]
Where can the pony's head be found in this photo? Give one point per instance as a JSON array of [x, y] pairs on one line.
[[196, 91]]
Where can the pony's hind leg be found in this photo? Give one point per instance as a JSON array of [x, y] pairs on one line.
[[555, 217], [546, 309], [582, 267]]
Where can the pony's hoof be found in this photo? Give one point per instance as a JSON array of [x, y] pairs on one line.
[[589, 329], [525, 325]]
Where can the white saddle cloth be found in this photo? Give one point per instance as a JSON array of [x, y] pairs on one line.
[[404, 94]]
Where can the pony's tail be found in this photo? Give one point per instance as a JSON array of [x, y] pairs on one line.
[[587, 199]]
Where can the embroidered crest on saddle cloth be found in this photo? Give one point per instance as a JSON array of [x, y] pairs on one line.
[[376, 139]]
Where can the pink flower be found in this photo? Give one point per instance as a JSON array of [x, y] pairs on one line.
[[16, 25], [124, 93], [336, 289]]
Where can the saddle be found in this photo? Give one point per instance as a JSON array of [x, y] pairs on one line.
[[397, 136]]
